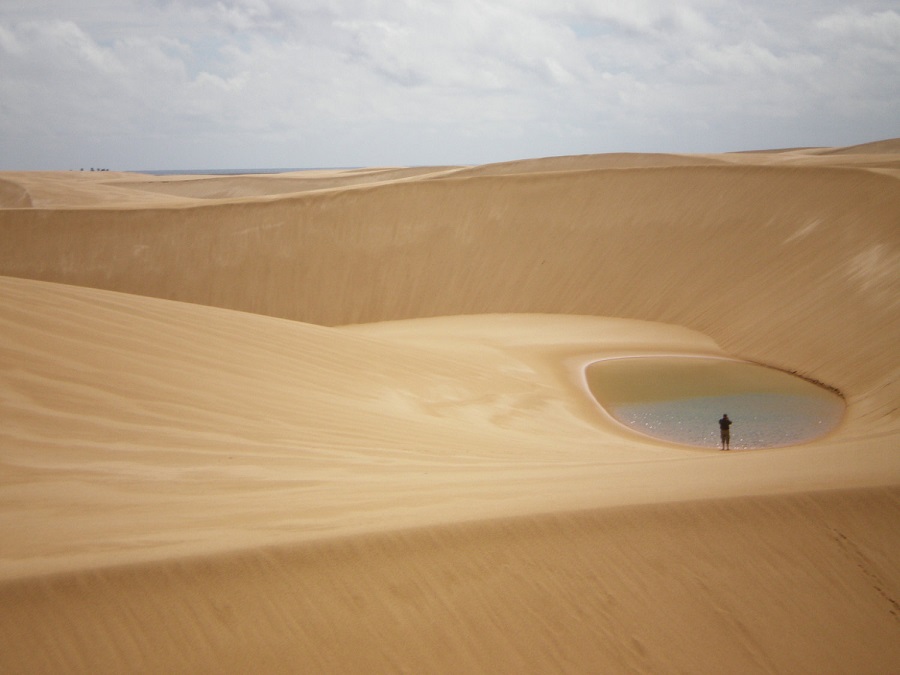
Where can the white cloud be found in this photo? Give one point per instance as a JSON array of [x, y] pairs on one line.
[[348, 82], [10, 43], [880, 27]]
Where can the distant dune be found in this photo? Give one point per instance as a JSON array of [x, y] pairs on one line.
[[887, 147], [336, 421]]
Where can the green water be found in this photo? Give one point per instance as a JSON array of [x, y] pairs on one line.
[[680, 399]]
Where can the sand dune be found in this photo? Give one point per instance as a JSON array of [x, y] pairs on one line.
[[225, 187], [889, 146], [620, 160], [80, 189], [796, 584], [337, 422]]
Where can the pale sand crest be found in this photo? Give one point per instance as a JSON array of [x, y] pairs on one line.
[[335, 422]]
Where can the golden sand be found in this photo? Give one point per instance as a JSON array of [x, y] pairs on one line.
[[337, 421]]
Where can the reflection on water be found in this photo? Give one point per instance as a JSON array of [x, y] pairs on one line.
[[681, 400]]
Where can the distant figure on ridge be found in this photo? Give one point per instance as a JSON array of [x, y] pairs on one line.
[[724, 427]]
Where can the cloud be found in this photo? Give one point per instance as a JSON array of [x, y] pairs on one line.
[[882, 28], [347, 82]]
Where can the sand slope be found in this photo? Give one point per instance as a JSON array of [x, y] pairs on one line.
[[343, 428], [714, 249], [799, 584]]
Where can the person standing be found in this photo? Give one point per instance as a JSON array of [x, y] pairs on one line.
[[725, 428]]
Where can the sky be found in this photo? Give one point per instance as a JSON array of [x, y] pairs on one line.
[[230, 84]]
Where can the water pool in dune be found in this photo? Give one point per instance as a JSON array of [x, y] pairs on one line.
[[680, 399]]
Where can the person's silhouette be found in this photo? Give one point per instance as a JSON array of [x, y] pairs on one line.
[[725, 428]]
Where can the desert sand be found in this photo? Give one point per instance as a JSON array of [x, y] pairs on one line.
[[337, 421]]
